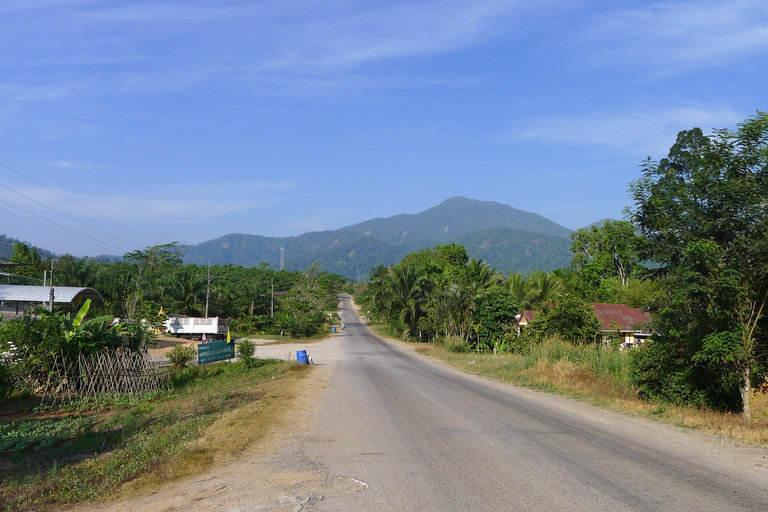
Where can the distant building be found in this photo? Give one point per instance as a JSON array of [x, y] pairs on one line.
[[16, 299], [630, 324]]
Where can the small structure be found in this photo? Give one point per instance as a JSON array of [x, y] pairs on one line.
[[21, 298]]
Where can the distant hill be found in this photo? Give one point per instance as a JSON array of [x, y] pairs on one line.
[[506, 238], [6, 249]]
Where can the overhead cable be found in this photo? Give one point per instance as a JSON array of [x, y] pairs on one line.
[[55, 231], [68, 216], [78, 204], [62, 226]]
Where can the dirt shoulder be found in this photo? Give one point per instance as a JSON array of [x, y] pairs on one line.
[[269, 475]]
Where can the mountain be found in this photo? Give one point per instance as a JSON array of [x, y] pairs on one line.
[[6, 249], [506, 238]]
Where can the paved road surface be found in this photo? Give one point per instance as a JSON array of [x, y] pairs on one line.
[[422, 437]]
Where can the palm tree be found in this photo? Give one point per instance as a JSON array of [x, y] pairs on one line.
[[518, 287], [478, 276], [409, 290], [544, 288]]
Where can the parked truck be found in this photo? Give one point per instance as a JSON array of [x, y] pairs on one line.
[[192, 327]]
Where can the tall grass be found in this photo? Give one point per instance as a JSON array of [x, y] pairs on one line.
[[601, 362], [600, 376]]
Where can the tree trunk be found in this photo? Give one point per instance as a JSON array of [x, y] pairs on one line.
[[745, 387]]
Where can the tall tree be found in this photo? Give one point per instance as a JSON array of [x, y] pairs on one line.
[[606, 251], [704, 216]]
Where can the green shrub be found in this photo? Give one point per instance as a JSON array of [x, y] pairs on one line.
[[245, 350], [180, 355], [456, 344]]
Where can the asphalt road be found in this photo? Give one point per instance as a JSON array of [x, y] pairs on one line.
[[424, 437]]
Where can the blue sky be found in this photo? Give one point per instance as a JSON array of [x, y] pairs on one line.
[[187, 120]]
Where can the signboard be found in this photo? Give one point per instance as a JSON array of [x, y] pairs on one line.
[[215, 351]]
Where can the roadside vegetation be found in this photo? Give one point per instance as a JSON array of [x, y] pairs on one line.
[[63, 441], [152, 283], [87, 451], [602, 378], [691, 252]]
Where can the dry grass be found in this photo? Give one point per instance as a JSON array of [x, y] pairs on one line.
[[229, 436], [606, 389]]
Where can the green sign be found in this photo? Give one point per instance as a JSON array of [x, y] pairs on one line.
[[215, 351]]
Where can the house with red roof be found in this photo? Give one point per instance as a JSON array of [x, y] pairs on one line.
[[631, 325]]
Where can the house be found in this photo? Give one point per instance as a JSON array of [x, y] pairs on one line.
[[631, 324]]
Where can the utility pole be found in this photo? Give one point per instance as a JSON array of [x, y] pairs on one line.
[[282, 258], [208, 286], [272, 309], [50, 303]]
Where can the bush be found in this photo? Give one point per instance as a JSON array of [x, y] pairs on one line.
[[180, 355], [245, 350], [456, 344], [662, 372], [6, 381]]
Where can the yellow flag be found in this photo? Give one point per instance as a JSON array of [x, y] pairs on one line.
[[229, 340]]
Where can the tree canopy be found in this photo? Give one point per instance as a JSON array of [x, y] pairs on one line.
[[703, 214]]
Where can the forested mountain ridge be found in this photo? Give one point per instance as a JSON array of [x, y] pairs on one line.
[[6, 248], [454, 217], [507, 238]]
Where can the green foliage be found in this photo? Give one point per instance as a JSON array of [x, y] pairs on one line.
[[181, 355], [702, 214], [606, 251], [571, 320], [456, 344], [31, 264], [41, 434], [661, 371], [245, 350], [495, 312]]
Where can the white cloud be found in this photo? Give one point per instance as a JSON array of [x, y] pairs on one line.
[[645, 133], [671, 37]]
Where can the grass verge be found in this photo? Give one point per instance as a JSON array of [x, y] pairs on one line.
[[59, 457], [600, 377]]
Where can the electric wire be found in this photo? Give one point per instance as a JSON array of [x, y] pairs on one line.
[[68, 216], [55, 231], [78, 204], [62, 226]]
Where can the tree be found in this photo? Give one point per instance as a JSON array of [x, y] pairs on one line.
[[704, 217], [571, 319], [31, 265], [495, 312], [606, 251]]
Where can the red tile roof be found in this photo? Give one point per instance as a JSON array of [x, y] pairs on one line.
[[627, 319]]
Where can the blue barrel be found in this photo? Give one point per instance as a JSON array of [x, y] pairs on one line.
[[333, 330], [301, 357]]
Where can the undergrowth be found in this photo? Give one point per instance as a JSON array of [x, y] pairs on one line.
[[50, 457]]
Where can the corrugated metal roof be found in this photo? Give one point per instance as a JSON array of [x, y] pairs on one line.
[[621, 316], [61, 294]]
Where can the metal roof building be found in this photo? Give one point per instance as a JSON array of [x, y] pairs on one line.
[[61, 294]]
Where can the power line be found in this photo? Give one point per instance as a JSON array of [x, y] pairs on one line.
[[61, 225], [78, 204], [69, 217], [55, 231]]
